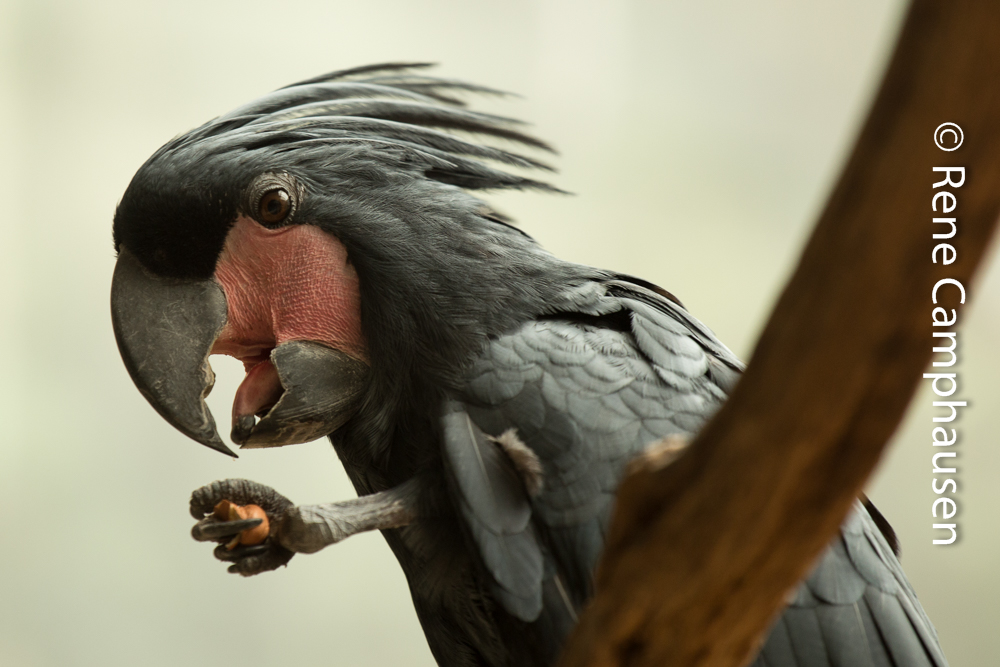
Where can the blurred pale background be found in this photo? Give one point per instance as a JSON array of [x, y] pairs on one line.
[[700, 140]]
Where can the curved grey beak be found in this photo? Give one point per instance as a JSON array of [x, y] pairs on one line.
[[321, 387], [165, 330]]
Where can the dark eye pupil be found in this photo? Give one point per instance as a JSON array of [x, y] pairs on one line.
[[273, 206]]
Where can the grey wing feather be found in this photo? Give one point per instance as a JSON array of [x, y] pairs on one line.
[[496, 509], [855, 609], [631, 294]]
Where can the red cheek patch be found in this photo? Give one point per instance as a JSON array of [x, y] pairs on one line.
[[293, 283]]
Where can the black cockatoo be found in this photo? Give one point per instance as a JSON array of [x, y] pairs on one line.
[[483, 395]]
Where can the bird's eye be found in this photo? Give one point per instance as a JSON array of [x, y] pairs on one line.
[[274, 206]]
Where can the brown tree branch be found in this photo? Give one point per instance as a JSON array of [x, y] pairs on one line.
[[702, 552]]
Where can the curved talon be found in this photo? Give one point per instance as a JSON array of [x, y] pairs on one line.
[[239, 553], [210, 529], [252, 565]]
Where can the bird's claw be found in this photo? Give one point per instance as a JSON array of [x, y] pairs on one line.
[[210, 528], [249, 561], [246, 560]]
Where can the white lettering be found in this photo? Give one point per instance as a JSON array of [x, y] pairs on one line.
[[943, 322], [945, 235], [949, 202], [947, 171], [934, 461], [944, 487], [947, 281], [934, 377], [949, 526], [950, 508], [943, 441], [948, 253], [946, 350], [949, 404]]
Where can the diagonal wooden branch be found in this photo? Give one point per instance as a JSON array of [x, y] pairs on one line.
[[702, 552]]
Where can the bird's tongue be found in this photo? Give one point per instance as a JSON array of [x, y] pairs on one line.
[[258, 393]]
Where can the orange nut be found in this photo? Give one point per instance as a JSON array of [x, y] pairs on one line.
[[257, 534], [227, 510]]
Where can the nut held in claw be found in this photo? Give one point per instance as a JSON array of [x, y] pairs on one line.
[[229, 511]]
